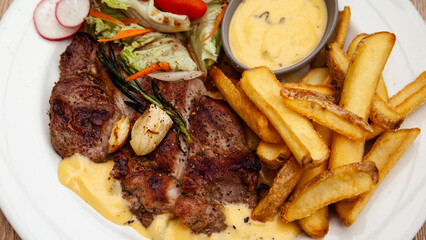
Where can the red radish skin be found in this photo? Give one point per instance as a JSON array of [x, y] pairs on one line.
[[47, 25], [71, 13], [192, 8]]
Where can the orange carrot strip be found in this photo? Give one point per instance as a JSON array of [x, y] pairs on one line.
[[126, 34], [128, 21], [103, 16], [216, 25], [164, 66], [155, 67]]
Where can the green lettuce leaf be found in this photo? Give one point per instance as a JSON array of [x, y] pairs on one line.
[[207, 52], [146, 50]]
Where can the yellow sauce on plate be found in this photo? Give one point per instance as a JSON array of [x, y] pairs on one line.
[[91, 181], [276, 33]]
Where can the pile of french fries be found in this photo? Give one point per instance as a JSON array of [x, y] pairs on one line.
[[313, 133]]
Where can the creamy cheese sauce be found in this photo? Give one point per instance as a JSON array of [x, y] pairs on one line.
[[91, 181], [276, 33]]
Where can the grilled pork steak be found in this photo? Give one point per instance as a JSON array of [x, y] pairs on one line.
[[218, 167], [84, 103], [181, 94]]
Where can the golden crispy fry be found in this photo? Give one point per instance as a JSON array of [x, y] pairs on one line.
[[344, 18], [329, 187], [384, 115], [345, 151], [316, 225], [381, 86], [119, 133], [405, 101], [338, 62], [382, 90], [386, 152], [273, 155], [242, 105], [316, 76], [377, 130], [325, 133], [358, 91], [323, 111], [263, 88], [408, 90], [338, 66], [308, 174], [283, 184], [327, 90], [338, 36], [354, 44], [412, 103]]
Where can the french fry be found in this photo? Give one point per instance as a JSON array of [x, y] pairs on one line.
[[344, 17], [329, 187], [406, 101], [386, 152], [338, 36], [273, 155], [381, 86], [322, 110], [242, 105], [283, 184], [354, 44], [316, 76], [377, 130], [408, 90], [412, 103], [338, 66], [315, 225], [338, 62], [263, 88], [327, 90], [358, 91], [382, 90], [384, 115], [325, 133]]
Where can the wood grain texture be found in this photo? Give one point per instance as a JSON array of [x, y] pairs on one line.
[[7, 232], [4, 4]]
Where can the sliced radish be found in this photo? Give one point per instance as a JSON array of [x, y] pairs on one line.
[[46, 23], [71, 13]]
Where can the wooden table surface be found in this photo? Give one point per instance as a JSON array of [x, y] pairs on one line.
[[6, 230]]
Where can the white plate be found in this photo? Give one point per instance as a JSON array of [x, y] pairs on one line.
[[39, 207]]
